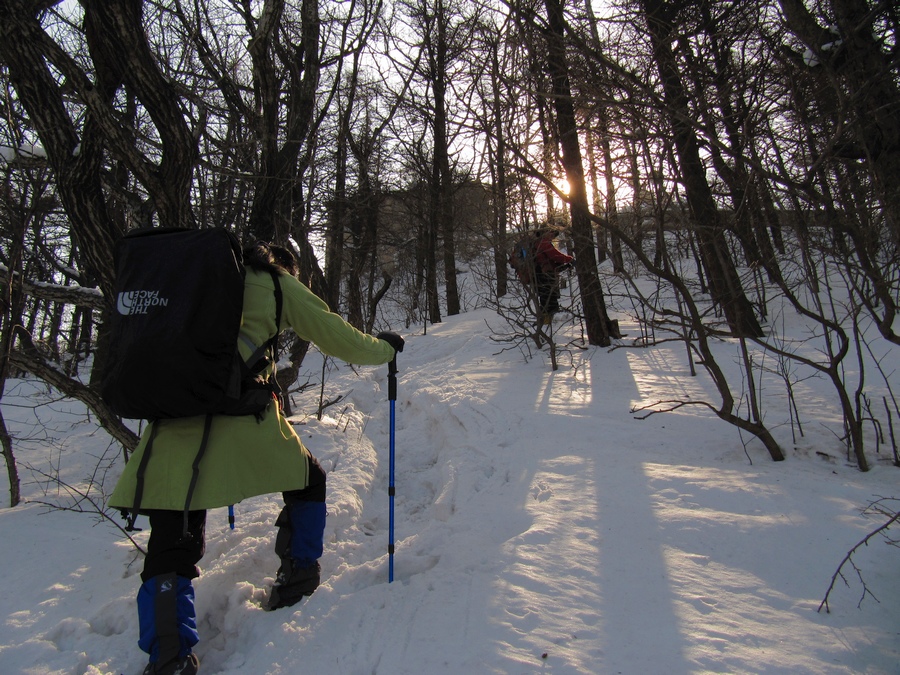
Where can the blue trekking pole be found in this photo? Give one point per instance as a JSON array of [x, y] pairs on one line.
[[392, 397]]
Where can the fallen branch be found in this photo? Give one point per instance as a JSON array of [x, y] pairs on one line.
[[849, 559], [79, 498]]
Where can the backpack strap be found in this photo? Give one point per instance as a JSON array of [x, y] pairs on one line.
[[252, 361], [139, 485], [195, 473], [256, 352], [279, 304], [273, 342], [142, 469]]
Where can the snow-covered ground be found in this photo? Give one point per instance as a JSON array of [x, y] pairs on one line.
[[540, 528]]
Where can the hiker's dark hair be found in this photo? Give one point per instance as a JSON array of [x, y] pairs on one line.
[[271, 258]]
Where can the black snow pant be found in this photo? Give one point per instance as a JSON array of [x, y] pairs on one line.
[[547, 284], [169, 551]]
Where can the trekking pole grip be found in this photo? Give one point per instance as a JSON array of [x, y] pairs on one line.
[[392, 379]]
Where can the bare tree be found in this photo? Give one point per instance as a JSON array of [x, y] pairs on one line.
[[725, 284]]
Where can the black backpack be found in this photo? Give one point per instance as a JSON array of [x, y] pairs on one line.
[[173, 339]]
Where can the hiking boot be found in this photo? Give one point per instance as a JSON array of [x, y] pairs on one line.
[[187, 665], [292, 584]]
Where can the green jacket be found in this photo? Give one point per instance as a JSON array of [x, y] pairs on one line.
[[245, 457]]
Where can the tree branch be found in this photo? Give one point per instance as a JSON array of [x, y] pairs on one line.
[[30, 359], [79, 296]]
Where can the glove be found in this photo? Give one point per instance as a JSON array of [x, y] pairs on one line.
[[393, 339]]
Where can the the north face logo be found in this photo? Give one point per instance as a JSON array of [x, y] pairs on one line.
[[138, 302]]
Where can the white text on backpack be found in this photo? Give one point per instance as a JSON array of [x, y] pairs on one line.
[[138, 302]]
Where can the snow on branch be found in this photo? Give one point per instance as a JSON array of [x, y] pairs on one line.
[[74, 295]]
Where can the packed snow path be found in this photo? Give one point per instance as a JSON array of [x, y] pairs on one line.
[[540, 528]]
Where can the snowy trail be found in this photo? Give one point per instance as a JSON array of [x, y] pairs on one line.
[[534, 530], [540, 529]]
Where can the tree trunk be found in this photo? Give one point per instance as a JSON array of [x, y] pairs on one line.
[[12, 471], [498, 167], [118, 43], [11, 305], [444, 179], [724, 282], [864, 71], [271, 216], [24, 51], [597, 324], [612, 211], [334, 238], [432, 223]]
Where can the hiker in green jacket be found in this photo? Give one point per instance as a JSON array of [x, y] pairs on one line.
[[245, 456]]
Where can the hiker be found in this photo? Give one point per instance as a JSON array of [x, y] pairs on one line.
[[245, 456], [548, 263]]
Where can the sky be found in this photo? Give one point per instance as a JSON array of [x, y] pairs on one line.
[[540, 527]]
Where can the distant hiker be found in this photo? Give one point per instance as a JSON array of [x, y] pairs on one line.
[[548, 262], [245, 455]]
